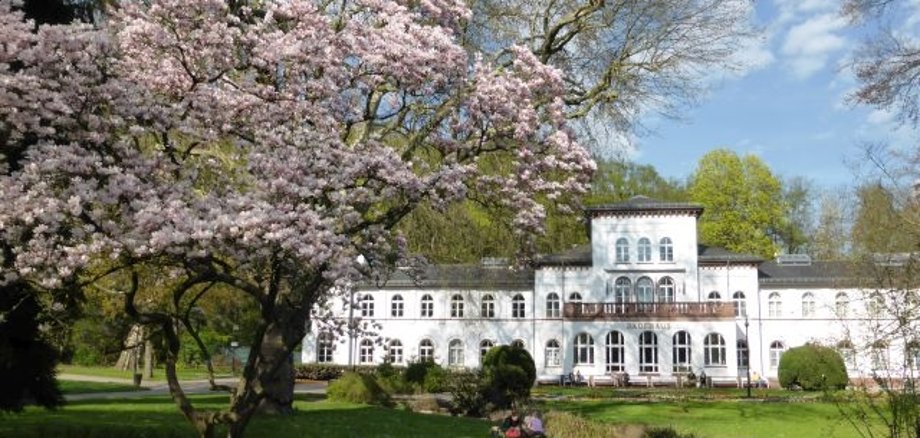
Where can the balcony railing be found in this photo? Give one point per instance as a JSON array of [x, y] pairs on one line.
[[629, 311]]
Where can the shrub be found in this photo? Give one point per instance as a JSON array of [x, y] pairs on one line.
[[812, 367], [358, 388], [436, 380], [467, 394], [509, 373], [323, 371], [416, 371]]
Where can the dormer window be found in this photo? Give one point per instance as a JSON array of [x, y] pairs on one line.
[[665, 250], [644, 250], [622, 248]]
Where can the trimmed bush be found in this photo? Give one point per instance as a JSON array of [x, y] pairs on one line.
[[322, 371], [358, 388], [508, 373], [812, 367], [436, 379], [467, 394]]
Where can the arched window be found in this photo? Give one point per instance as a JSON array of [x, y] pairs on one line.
[[616, 352], [367, 306], [426, 350], [553, 353], [552, 305], [742, 350], [366, 352], [665, 250], [622, 250], [845, 348], [584, 349], [518, 306], [776, 352], [621, 290], [681, 354], [666, 290], [648, 352], [324, 347], [878, 354], [394, 351], [774, 305], [427, 306], [714, 296], [488, 306], [740, 304], [455, 353], [517, 343], [484, 348], [912, 355], [808, 305], [456, 306], [714, 350], [574, 297], [396, 306], [644, 250], [644, 293], [876, 304], [842, 305]]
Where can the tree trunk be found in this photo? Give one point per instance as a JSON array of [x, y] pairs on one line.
[[278, 386], [148, 358]]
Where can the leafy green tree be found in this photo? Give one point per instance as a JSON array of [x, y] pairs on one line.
[[796, 225], [743, 201], [812, 367], [831, 237], [508, 373], [879, 226]]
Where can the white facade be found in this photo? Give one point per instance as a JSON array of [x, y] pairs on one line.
[[644, 299]]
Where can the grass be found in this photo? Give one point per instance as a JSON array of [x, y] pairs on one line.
[[158, 417], [671, 393], [158, 373], [77, 387]]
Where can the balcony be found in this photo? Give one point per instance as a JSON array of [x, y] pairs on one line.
[[649, 311]]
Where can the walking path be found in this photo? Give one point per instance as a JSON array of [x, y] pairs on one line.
[[160, 387]]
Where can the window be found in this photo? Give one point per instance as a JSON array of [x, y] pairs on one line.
[[552, 306], [484, 348], [665, 250], [644, 250], [666, 290], [878, 354], [740, 304], [427, 306], [553, 353], [575, 297], [847, 352], [648, 352], [774, 306], [517, 343], [367, 306], [842, 305], [394, 352], [584, 349], [808, 305], [616, 352], [714, 296], [517, 306], [644, 292], [455, 353], [714, 350], [776, 352], [366, 353], [324, 347], [621, 290], [912, 355], [681, 352], [742, 350], [456, 306], [426, 350], [622, 250], [488, 306], [876, 304], [396, 306]]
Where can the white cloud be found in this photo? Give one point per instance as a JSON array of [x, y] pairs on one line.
[[810, 44]]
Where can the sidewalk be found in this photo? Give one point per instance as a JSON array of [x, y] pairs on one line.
[[160, 387]]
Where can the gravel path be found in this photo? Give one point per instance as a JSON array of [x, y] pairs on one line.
[[160, 387]]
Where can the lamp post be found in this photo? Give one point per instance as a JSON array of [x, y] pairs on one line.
[[747, 359], [233, 346]]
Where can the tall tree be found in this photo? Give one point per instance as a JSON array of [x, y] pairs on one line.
[[743, 202], [272, 152], [796, 224], [879, 225], [831, 239]]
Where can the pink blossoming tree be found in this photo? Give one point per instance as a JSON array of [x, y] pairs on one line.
[[188, 144]]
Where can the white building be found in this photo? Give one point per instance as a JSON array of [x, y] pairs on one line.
[[643, 298]]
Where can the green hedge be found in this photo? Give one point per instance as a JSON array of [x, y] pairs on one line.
[[812, 367], [321, 371]]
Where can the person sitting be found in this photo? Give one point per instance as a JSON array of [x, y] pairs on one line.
[[579, 379], [533, 426], [510, 428]]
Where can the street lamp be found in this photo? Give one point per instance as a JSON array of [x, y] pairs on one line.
[[233, 346], [747, 359]]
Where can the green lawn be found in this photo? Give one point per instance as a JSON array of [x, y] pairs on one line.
[[77, 387], [159, 417], [158, 374]]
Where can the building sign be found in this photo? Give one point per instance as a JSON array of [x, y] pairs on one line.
[[648, 325]]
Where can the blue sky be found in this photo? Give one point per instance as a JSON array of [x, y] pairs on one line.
[[789, 106]]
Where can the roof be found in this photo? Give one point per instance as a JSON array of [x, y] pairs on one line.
[[817, 274], [715, 254], [459, 277], [577, 256], [644, 204]]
